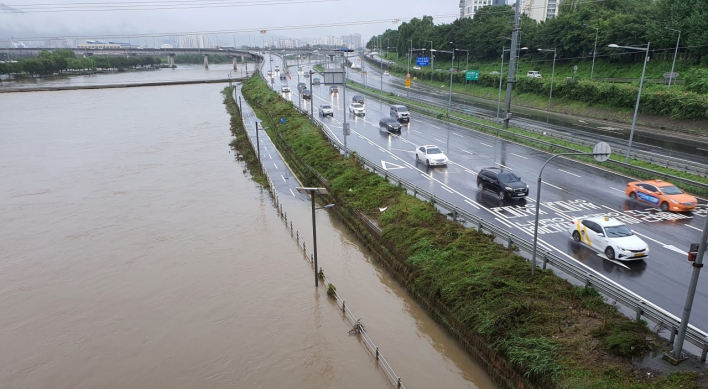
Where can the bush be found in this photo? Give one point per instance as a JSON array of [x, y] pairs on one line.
[[697, 80]]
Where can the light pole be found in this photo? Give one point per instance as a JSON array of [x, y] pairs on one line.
[[312, 96], [601, 152], [501, 76], [449, 101], [639, 94], [553, 72], [312, 192], [258, 143], [512, 61], [671, 75], [431, 58], [467, 65], [594, 51]]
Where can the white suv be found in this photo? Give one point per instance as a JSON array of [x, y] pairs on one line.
[[357, 109], [534, 74], [326, 110]]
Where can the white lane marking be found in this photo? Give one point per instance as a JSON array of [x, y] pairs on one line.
[[572, 174], [391, 166], [619, 190], [697, 229], [291, 192], [416, 131], [472, 203], [468, 152], [520, 156], [270, 156], [666, 246], [276, 166], [698, 148], [603, 256], [552, 185], [501, 165], [441, 141], [485, 144], [284, 180], [426, 177], [454, 133], [434, 126], [446, 188]]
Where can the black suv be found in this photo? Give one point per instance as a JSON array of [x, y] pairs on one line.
[[503, 182], [358, 99], [390, 124], [306, 94]]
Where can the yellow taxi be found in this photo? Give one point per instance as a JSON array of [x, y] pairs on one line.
[[661, 194]]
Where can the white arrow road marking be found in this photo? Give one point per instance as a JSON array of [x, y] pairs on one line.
[[391, 166], [666, 246]]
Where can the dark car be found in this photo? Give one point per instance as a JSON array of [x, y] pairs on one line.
[[306, 94], [315, 81], [358, 99], [503, 182], [301, 86], [333, 89], [390, 124]]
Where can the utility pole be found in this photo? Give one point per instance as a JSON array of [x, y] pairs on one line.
[[512, 62]]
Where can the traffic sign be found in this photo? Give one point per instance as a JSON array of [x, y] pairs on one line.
[[408, 82], [472, 75], [422, 61]]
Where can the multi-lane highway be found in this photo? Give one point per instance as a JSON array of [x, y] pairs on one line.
[[690, 149], [570, 189]]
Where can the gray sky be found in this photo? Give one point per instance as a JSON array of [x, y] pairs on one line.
[[213, 15]]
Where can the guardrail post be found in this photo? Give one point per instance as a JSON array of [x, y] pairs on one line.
[[399, 383], [705, 350], [673, 335], [377, 353], [545, 260], [479, 227], [587, 280], [415, 192], [454, 214], [344, 306], [509, 243], [639, 314]]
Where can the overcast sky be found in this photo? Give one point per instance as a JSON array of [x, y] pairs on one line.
[[225, 16]]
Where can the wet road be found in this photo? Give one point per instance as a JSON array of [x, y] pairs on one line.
[[137, 253], [570, 190], [587, 129]]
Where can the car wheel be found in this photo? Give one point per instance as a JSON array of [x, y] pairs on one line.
[[576, 236], [427, 162], [502, 195], [416, 158], [633, 196], [664, 206], [610, 253], [480, 186]]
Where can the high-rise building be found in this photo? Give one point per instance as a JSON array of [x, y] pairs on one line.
[[469, 7], [194, 41], [540, 10]]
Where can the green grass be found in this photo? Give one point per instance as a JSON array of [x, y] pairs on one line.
[[555, 334], [412, 104]]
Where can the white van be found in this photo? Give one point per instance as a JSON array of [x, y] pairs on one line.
[[534, 74]]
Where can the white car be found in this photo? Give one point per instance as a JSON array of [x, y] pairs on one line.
[[534, 74], [326, 110], [285, 89], [357, 109], [386, 73], [609, 236], [431, 155]]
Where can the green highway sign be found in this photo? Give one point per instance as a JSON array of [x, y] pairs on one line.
[[472, 75]]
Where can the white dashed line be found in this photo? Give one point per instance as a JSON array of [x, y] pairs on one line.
[[276, 166], [454, 133], [619, 190], [566, 172], [434, 126], [501, 165], [697, 229], [472, 203], [441, 141], [485, 144], [416, 131], [284, 180], [446, 188], [292, 193], [552, 185], [520, 156], [468, 152], [270, 156], [426, 177]]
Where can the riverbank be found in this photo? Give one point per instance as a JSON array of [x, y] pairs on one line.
[[540, 332], [112, 86]]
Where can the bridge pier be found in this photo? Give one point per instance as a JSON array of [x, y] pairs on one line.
[[171, 60], [206, 61], [233, 59]]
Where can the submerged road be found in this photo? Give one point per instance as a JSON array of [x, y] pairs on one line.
[[570, 189]]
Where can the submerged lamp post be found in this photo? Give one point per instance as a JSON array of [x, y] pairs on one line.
[[594, 50], [671, 75], [553, 72], [639, 94], [258, 142], [312, 192], [601, 152]]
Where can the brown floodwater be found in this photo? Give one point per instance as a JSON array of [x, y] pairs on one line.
[[136, 252]]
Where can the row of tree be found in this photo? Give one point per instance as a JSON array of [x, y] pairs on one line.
[[572, 32], [62, 60]]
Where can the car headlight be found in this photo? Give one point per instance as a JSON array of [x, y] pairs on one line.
[[673, 201], [527, 186], [508, 188]]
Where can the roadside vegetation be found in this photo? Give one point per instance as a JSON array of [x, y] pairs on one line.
[[63, 60], [553, 333]]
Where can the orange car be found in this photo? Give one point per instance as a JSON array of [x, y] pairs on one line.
[[662, 194]]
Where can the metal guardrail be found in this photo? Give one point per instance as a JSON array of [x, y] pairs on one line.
[[664, 161], [580, 272]]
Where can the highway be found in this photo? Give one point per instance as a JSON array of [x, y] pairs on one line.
[[570, 189], [613, 133]]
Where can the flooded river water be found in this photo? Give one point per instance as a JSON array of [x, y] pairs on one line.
[[136, 252]]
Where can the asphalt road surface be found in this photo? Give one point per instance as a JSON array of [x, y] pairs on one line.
[[570, 189]]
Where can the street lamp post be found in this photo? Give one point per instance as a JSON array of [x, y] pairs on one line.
[[501, 76], [312, 192], [452, 66], [675, 53], [639, 94], [553, 72], [431, 58], [258, 143], [468, 62], [601, 152], [594, 51], [512, 61]]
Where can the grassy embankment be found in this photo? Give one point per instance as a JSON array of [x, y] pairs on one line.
[[240, 143], [554, 333], [413, 105]]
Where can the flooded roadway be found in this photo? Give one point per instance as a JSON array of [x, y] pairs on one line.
[[137, 253]]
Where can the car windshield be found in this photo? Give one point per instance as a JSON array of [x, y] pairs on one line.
[[618, 231], [671, 190], [326, 107], [508, 177], [356, 105], [434, 150]]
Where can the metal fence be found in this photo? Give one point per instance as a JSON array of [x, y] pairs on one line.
[[641, 306], [357, 326], [663, 161]]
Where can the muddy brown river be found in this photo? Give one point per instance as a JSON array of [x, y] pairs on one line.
[[135, 252]]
